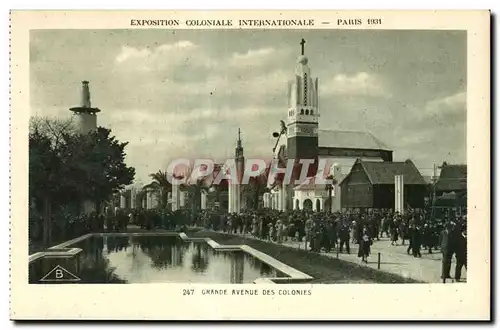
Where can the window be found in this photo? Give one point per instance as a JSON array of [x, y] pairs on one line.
[[312, 112], [307, 112], [301, 111]]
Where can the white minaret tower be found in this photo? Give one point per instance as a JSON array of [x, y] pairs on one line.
[[303, 111], [85, 115]]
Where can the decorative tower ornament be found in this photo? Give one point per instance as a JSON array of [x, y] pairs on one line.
[[86, 115], [303, 114]]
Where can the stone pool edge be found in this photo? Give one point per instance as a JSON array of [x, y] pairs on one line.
[[295, 276]]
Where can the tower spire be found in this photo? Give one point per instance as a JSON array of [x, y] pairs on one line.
[[239, 147]]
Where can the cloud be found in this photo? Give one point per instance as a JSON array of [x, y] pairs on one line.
[[128, 53], [434, 132], [257, 57], [358, 84], [446, 106], [166, 57]]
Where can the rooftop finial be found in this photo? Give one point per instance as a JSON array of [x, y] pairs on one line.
[[302, 44]]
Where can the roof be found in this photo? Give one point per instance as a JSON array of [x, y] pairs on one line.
[[349, 140], [310, 184], [451, 199], [384, 172], [452, 177]]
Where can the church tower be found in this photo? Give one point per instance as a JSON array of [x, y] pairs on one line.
[[303, 113], [235, 187], [86, 115]]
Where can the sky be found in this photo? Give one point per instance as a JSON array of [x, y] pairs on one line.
[[185, 93]]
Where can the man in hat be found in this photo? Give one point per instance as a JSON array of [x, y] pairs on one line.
[[344, 236], [447, 249], [461, 252]]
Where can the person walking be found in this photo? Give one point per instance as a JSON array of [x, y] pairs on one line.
[[365, 243], [344, 237], [461, 253], [394, 232], [415, 241], [446, 240]]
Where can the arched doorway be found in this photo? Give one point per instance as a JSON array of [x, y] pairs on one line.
[[308, 204], [297, 204], [318, 205]]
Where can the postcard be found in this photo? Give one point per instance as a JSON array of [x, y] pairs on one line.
[[250, 165]]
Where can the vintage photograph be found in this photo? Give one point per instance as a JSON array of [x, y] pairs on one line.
[[233, 165], [247, 156]]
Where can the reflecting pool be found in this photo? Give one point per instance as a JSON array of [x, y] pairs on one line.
[[153, 259]]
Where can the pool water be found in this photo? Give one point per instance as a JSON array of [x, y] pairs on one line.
[[154, 259]]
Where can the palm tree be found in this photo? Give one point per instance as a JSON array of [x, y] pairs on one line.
[[161, 184], [195, 190]]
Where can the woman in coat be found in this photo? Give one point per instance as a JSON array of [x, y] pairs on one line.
[[364, 245], [394, 232]]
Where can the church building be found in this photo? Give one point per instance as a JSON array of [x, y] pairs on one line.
[[304, 139]]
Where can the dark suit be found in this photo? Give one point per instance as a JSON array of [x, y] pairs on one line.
[[461, 255], [344, 239], [447, 251], [415, 242]]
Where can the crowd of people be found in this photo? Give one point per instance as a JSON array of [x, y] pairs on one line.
[[321, 231]]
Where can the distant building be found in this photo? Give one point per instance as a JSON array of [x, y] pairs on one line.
[[453, 178], [450, 191], [372, 185]]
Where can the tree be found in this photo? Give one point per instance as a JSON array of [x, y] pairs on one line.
[[67, 168], [194, 191], [161, 184], [105, 165], [47, 139]]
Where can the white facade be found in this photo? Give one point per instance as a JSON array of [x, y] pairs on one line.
[[123, 202], [133, 197], [175, 199], [203, 201]]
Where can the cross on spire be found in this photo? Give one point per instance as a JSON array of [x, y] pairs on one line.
[[302, 43]]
